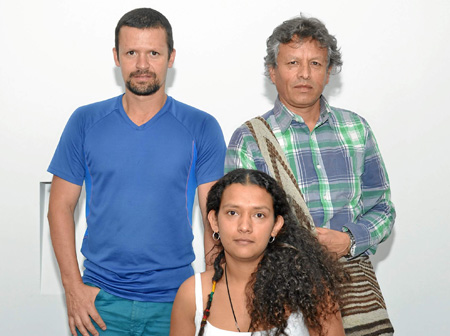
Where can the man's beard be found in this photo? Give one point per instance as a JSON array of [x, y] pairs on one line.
[[143, 89]]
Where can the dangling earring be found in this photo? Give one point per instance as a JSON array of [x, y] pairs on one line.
[[271, 239], [216, 236]]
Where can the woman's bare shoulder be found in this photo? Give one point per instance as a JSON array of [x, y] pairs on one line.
[[187, 288]]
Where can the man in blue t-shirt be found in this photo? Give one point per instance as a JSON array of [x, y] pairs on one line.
[[141, 155]]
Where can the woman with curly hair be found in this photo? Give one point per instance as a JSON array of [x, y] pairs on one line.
[[271, 276]]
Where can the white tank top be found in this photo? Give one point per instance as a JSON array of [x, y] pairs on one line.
[[295, 327]]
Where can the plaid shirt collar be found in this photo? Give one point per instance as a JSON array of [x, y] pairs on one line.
[[284, 116]]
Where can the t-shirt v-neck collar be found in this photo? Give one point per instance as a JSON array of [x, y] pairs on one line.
[[150, 122]]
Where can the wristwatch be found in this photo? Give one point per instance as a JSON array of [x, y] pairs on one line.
[[351, 249]]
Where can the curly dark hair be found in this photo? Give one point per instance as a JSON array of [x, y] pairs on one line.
[[296, 274]]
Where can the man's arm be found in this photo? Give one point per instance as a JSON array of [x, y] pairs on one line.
[[79, 297], [203, 190], [374, 225]]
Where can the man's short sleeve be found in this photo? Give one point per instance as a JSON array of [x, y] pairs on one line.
[[241, 150], [211, 150], [68, 161]]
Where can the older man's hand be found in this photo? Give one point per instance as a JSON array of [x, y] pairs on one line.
[[335, 241]]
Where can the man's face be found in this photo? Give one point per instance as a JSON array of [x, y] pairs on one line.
[[301, 74], [143, 57]]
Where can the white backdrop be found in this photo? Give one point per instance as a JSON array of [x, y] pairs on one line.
[[55, 55]]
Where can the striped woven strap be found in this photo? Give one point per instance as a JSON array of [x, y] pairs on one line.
[[278, 166]]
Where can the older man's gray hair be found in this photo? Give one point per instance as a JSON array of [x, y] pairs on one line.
[[300, 28]]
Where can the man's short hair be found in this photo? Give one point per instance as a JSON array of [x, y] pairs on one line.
[[145, 18], [302, 27]]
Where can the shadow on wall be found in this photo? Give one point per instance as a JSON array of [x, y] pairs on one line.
[[383, 250], [270, 91], [334, 86]]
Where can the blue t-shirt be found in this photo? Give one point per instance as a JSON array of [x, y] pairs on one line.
[[140, 186]]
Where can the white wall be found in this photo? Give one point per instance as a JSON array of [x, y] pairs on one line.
[[55, 55]]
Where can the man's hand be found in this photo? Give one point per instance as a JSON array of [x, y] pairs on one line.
[[80, 298], [335, 241], [80, 309]]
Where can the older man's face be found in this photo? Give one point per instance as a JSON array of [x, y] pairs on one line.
[[301, 75]]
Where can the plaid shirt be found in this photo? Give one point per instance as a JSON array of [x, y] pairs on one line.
[[338, 167]]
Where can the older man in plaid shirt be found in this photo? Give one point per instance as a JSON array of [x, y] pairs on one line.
[[332, 152]]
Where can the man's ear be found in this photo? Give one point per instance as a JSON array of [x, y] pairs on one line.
[[116, 57], [279, 222], [172, 58], [212, 218], [272, 74]]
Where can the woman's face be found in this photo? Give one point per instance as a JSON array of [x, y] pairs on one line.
[[245, 221]]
